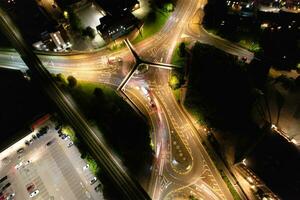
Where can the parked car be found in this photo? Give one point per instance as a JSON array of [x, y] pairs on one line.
[[29, 142], [50, 142], [5, 186], [58, 126], [3, 179], [42, 131], [21, 150], [70, 144], [26, 162], [93, 180], [98, 187], [63, 136], [85, 167], [30, 187], [20, 164], [34, 193], [67, 137], [11, 196]]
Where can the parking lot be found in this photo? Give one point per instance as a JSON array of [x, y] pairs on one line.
[[48, 168]]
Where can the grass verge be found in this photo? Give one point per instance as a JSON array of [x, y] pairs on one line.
[[153, 23]]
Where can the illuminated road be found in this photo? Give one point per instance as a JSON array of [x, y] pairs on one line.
[[182, 165], [197, 32]]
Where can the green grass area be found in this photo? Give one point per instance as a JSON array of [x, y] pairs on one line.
[[250, 45], [93, 166], [87, 88], [125, 132], [122, 129], [152, 24], [176, 58], [212, 31], [195, 113], [177, 94], [116, 46], [69, 131]]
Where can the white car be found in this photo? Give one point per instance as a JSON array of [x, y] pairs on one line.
[[10, 197], [93, 180], [34, 193], [19, 165], [26, 163], [86, 167]]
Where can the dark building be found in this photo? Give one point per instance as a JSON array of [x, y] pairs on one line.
[[114, 26], [115, 7], [31, 18], [21, 103]]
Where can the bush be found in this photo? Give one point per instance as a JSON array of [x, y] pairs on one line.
[[90, 32], [74, 21], [72, 82]]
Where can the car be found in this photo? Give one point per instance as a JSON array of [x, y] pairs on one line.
[[3, 179], [30, 187], [28, 142], [67, 137], [43, 130], [11, 196], [70, 144], [49, 142], [98, 187], [93, 180], [34, 193], [26, 163], [58, 126], [85, 167], [152, 104], [114, 60], [63, 136], [5, 186], [19, 165], [21, 150]]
